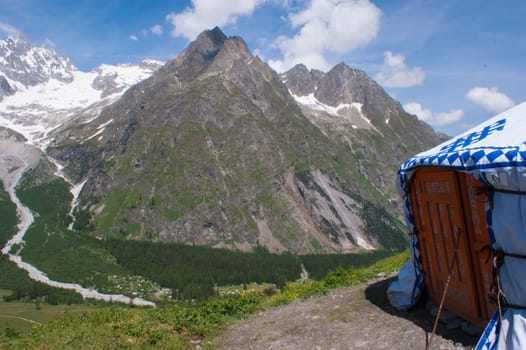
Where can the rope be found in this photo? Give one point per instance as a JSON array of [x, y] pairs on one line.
[[496, 295], [444, 293], [497, 261]]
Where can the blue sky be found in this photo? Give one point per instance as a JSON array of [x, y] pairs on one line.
[[453, 63]]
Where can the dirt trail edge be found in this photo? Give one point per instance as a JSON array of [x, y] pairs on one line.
[[358, 317]]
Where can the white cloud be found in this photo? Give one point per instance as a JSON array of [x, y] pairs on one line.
[[393, 60], [417, 109], [144, 33], [206, 14], [157, 30], [447, 118], [7, 28], [490, 99], [395, 74], [337, 26], [427, 116]]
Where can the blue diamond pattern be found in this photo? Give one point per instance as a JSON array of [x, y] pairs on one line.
[[452, 158], [494, 155], [511, 154], [477, 156]]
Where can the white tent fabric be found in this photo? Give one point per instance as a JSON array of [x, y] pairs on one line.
[[495, 153]]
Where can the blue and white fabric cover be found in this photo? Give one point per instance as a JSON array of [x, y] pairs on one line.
[[494, 152]]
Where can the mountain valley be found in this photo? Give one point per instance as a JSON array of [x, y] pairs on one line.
[[213, 148]]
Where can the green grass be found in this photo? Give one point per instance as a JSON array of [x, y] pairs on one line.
[[74, 258], [175, 326], [23, 316], [244, 289], [315, 244], [339, 278], [4, 292], [114, 201], [8, 217]]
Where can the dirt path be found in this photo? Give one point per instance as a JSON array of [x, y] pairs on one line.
[[21, 318], [351, 318]]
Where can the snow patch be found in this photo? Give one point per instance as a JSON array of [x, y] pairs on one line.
[[100, 130], [75, 191], [348, 112], [125, 74], [152, 62], [312, 102]]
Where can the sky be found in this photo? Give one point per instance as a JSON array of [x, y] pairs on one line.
[[453, 63]]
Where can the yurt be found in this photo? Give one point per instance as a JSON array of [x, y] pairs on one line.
[[465, 204]]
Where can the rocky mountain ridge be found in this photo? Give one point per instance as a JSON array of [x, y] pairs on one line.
[[215, 138], [216, 148], [346, 104], [28, 65]]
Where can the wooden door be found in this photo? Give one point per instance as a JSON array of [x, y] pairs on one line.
[[445, 228]]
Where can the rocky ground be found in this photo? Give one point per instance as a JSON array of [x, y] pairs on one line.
[[351, 318]]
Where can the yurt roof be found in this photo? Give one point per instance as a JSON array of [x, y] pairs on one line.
[[494, 152]]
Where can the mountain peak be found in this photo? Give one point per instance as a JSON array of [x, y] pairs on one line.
[[210, 53], [300, 68], [343, 72], [342, 66], [199, 54], [30, 65], [214, 35], [341, 86]]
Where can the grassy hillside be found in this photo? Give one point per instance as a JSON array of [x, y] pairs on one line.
[[8, 215], [22, 317], [15, 282], [137, 268], [175, 326], [64, 255], [188, 269]]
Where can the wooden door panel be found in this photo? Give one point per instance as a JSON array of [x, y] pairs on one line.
[[475, 204], [442, 233]]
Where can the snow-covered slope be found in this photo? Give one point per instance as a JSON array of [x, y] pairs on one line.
[[47, 90], [26, 65]]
